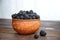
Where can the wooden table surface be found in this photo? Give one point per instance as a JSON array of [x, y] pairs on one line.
[[10, 34]]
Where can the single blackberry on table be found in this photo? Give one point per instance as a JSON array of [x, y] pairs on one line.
[[42, 33], [36, 36]]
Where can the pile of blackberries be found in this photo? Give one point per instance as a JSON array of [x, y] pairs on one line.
[[26, 15]]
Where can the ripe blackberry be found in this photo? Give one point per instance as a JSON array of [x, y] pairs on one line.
[[36, 36], [42, 33]]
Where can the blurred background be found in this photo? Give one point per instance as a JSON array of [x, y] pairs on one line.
[[47, 9]]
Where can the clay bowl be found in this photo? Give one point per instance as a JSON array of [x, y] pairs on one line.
[[26, 26]]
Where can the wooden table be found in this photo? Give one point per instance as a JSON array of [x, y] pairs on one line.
[[10, 34]]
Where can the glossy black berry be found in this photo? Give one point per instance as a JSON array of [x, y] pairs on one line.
[[36, 36], [21, 17], [42, 33], [20, 11], [31, 11], [14, 15], [27, 12], [33, 17], [37, 16], [17, 17], [24, 12]]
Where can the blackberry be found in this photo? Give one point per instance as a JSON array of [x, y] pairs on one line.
[[37, 16], [42, 33], [31, 11], [24, 12], [14, 15], [20, 11], [33, 17], [21, 16], [27, 12], [36, 36], [17, 17]]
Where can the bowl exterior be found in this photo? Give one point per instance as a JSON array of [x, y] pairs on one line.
[[26, 26]]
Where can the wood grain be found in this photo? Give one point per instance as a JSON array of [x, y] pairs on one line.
[[10, 34]]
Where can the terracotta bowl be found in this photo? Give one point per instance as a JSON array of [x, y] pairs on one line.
[[27, 26]]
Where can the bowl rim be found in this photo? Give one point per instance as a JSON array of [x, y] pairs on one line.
[[24, 19]]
